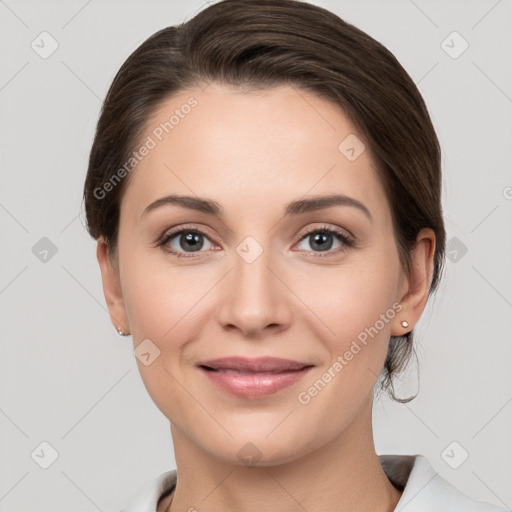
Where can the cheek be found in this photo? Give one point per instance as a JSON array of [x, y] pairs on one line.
[[355, 300], [161, 298], [162, 304], [358, 304], [360, 313]]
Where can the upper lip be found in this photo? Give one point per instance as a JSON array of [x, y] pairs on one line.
[[260, 364]]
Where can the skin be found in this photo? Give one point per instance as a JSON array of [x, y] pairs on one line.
[[254, 152]]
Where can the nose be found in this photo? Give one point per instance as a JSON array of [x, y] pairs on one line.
[[255, 298]]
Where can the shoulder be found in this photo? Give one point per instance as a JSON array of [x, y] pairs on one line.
[[146, 499], [425, 490]]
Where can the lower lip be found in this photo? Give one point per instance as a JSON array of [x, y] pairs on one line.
[[255, 385]]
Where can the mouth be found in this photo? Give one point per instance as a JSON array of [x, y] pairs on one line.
[[253, 378], [257, 365], [240, 372]]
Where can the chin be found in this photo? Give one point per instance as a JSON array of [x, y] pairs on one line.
[[257, 449]]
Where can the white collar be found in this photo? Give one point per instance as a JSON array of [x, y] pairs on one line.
[[424, 490]]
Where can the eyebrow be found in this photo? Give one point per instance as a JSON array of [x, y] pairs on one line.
[[294, 208]]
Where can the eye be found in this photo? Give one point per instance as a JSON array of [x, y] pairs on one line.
[[321, 240], [185, 241]]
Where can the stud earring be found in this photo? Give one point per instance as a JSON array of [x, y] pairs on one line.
[[121, 333], [405, 324]]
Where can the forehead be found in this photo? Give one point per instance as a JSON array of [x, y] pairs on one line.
[[249, 150]]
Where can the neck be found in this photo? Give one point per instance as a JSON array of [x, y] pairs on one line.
[[343, 475]]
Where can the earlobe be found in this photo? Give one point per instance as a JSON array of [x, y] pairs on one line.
[[112, 288], [414, 299]]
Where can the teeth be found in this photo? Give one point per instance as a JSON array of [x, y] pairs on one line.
[[239, 372], [235, 372]]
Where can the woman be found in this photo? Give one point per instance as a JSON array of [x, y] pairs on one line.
[[265, 189]]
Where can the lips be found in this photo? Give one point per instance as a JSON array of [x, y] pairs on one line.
[[253, 378]]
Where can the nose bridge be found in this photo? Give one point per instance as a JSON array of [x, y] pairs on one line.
[[251, 270], [254, 297]]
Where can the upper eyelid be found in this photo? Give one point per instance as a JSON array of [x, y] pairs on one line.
[[335, 230], [172, 232], [204, 230]]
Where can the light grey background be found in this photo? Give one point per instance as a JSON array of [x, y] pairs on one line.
[[67, 378]]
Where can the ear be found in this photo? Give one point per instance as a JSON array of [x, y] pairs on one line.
[[112, 287], [415, 287]]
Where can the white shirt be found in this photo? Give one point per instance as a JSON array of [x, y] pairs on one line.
[[423, 489]]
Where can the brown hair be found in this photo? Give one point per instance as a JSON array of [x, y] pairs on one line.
[[258, 44]]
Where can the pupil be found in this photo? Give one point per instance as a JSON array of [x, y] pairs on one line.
[[319, 239], [194, 240]]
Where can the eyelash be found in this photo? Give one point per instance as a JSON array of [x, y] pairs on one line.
[[347, 241]]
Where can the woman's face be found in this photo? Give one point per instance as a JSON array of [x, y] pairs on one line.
[[254, 285]]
